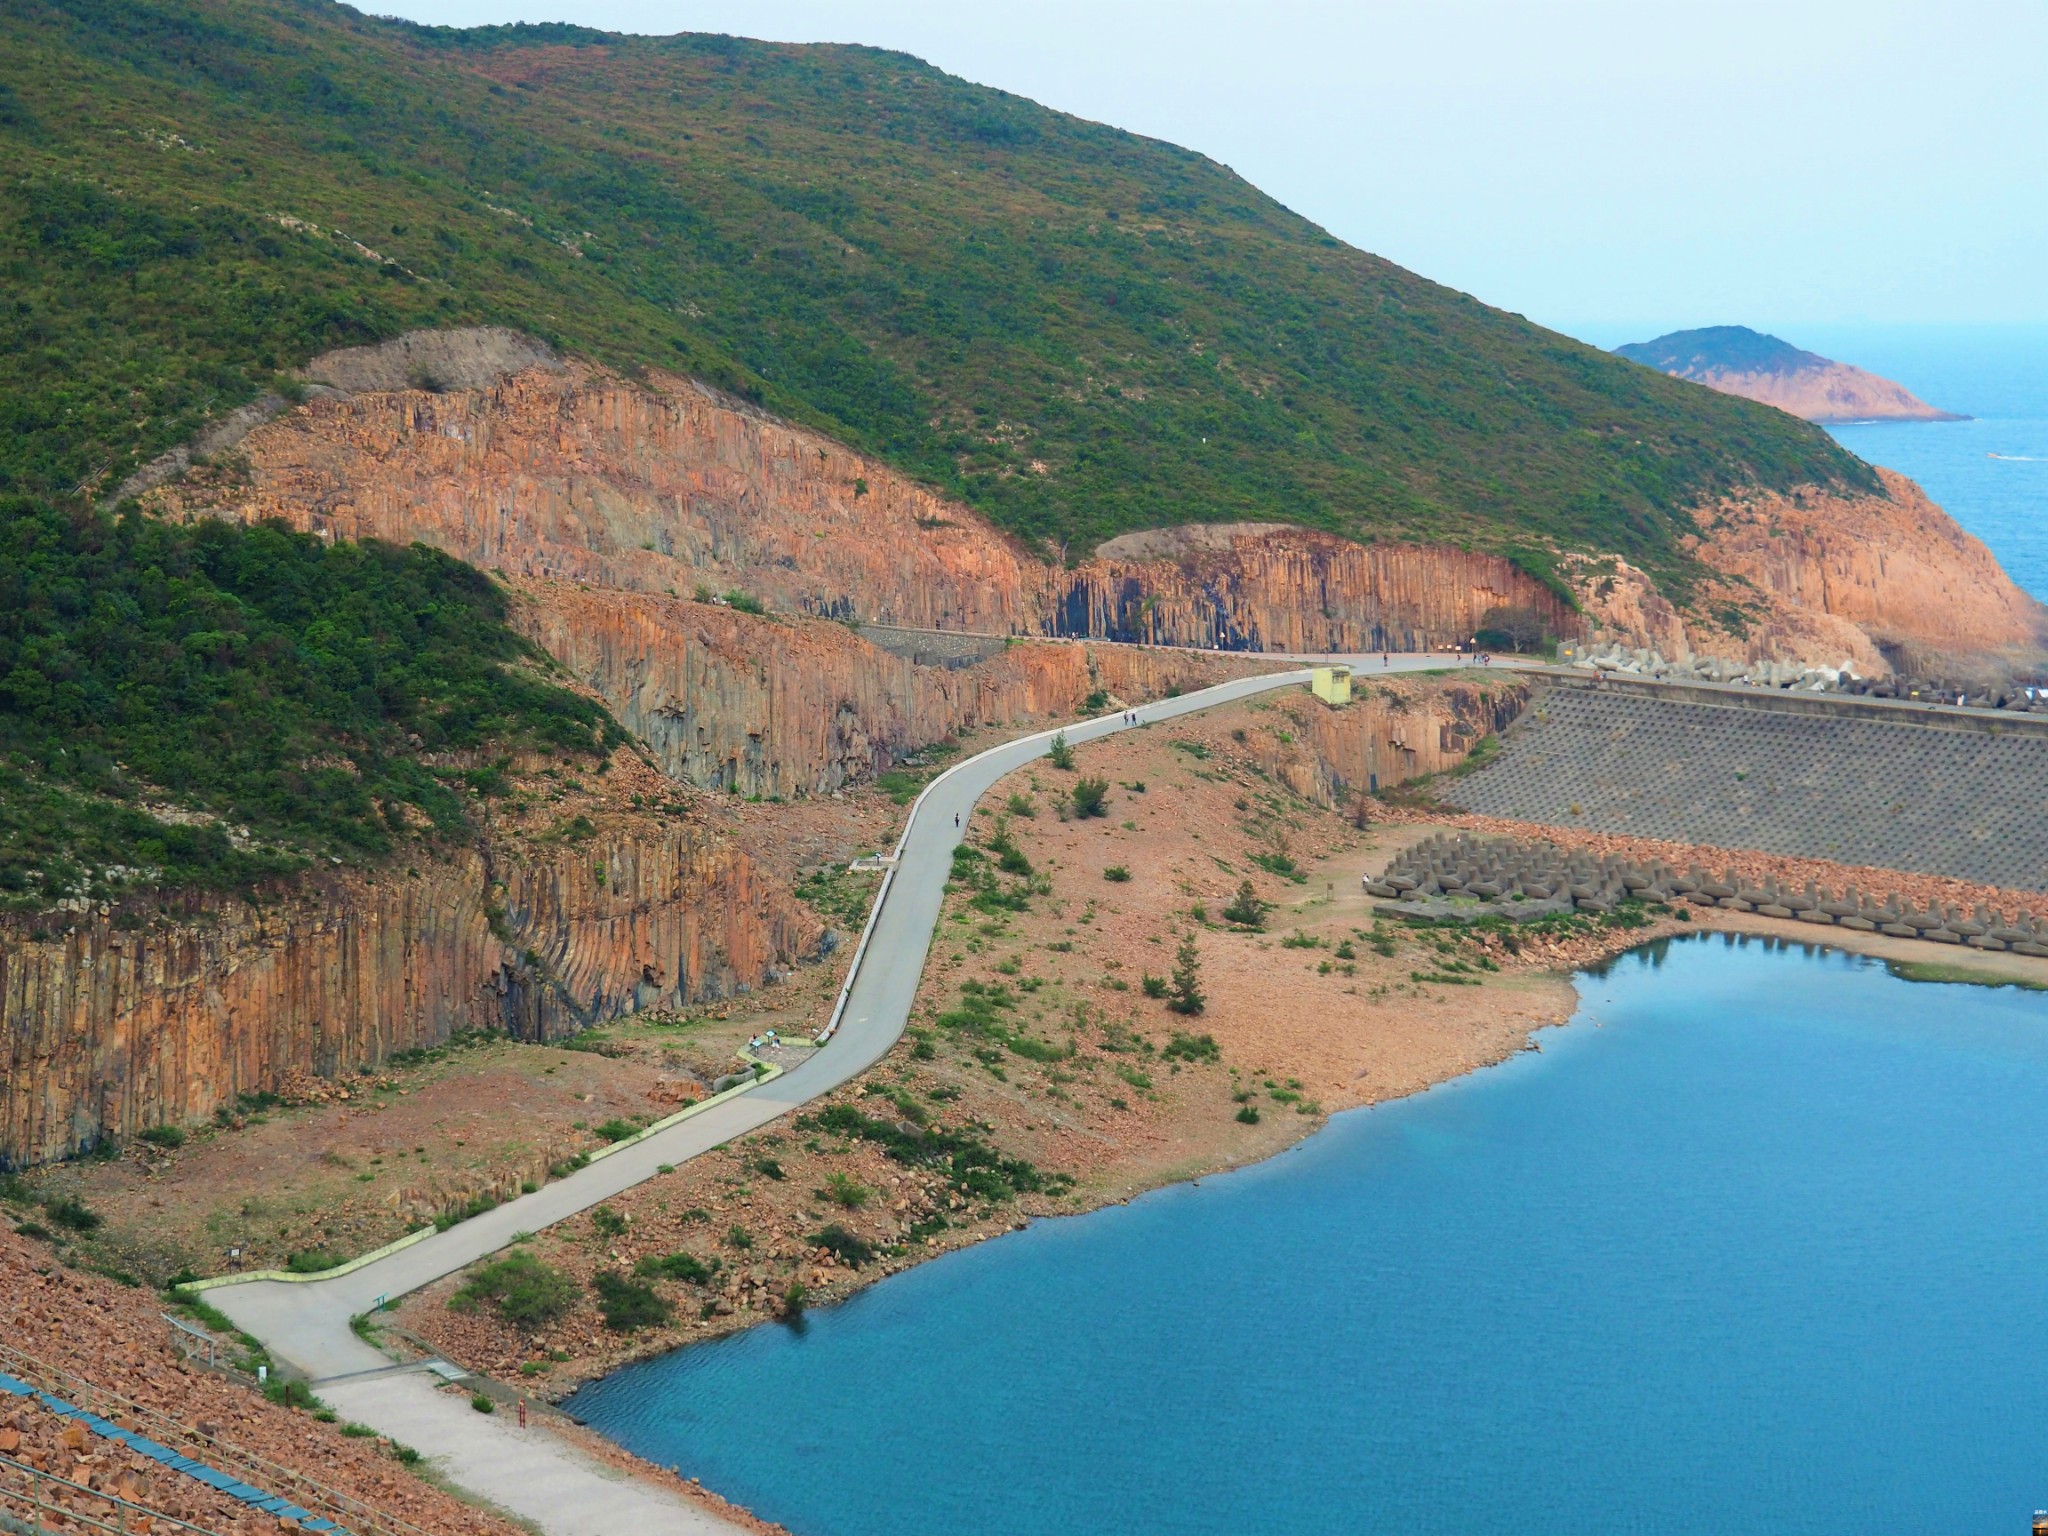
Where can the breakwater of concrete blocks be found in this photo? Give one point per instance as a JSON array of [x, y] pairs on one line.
[[1460, 877], [1817, 777]]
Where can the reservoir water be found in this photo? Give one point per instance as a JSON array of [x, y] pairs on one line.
[[1755, 1244]]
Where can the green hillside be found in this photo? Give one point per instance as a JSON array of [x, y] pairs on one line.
[[300, 699], [1076, 329]]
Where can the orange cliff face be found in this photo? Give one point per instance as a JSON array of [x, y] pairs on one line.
[[113, 1028], [781, 707], [558, 471], [1879, 583], [565, 472]]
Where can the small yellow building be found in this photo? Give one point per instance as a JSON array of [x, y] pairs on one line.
[[1331, 684]]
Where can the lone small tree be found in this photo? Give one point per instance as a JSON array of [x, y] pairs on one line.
[[1089, 797], [1061, 754], [1187, 977], [1245, 908]]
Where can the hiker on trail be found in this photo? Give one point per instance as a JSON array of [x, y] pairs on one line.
[[956, 818]]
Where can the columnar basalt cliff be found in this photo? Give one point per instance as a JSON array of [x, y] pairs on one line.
[[794, 706], [559, 470], [1391, 733], [1874, 583], [570, 473], [112, 1028]]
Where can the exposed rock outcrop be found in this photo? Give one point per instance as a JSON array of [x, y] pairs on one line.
[[573, 474], [779, 708], [1391, 733], [1870, 583], [111, 1029], [562, 471]]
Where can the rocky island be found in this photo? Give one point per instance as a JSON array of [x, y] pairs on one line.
[[1738, 361]]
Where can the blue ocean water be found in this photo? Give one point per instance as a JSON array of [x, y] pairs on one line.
[[1756, 1244], [1990, 473]]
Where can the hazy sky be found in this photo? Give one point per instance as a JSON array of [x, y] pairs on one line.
[[1609, 167]]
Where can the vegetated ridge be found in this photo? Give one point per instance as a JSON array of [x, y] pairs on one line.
[[210, 706], [1076, 330], [1738, 361]]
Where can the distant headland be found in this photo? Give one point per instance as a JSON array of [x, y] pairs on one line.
[[1738, 361]]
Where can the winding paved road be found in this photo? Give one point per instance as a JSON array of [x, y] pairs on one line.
[[533, 1475]]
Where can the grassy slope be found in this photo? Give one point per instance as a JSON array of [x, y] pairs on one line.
[[1079, 330], [319, 700]]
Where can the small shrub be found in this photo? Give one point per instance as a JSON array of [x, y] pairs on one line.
[[1184, 1047], [1117, 874], [617, 1130], [1090, 797], [1020, 805], [1300, 940], [686, 1267], [1344, 951], [1245, 909], [739, 1237], [744, 602], [291, 1394], [404, 1455], [607, 1223], [33, 1229], [1187, 978], [628, 1305], [1060, 753], [72, 1213], [527, 1293], [357, 1431], [1153, 986], [481, 1403], [168, 1137], [1248, 1114], [843, 1245], [844, 1191], [311, 1262], [769, 1168]]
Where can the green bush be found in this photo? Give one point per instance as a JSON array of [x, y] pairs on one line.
[[843, 1245], [72, 1213], [311, 1261], [169, 1137], [628, 1305], [1153, 986], [1059, 752], [1091, 796], [291, 1394], [845, 1191], [1187, 978], [677, 1266], [1245, 909], [1248, 1114], [1117, 874], [607, 1223], [527, 1293], [616, 1130], [482, 1403], [1184, 1047]]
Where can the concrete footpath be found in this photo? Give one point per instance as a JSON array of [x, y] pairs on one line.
[[545, 1481]]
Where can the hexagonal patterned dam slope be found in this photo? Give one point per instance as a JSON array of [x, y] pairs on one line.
[[1799, 777]]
